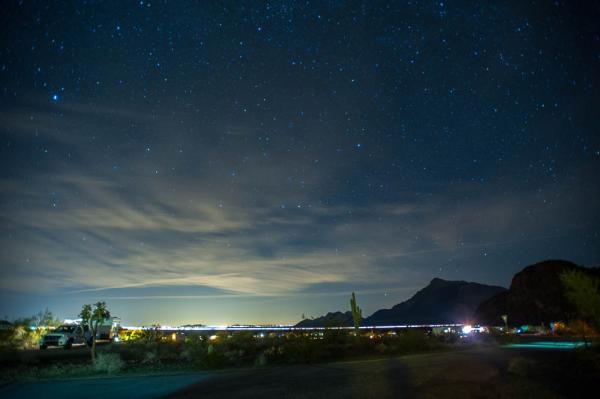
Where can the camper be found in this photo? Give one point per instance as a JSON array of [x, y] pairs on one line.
[[108, 329]]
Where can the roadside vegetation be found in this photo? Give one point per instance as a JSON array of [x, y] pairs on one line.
[[156, 352], [583, 292], [24, 333]]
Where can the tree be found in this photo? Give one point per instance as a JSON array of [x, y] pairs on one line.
[[46, 318], [582, 291], [93, 317], [356, 312]]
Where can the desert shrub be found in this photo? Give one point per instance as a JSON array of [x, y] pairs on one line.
[[135, 351], [361, 346], [450, 338], [151, 352], [20, 336], [107, 362], [57, 371], [409, 341], [485, 339], [261, 360], [195, 347], [168, 352], [337, 343], [336, 337], [25, 333], [239, 349], [214, 358], [201, 352], [381, 348], [297, 350], [243, 348], [522, 367]]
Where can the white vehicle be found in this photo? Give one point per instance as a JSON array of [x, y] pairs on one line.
[[108, 329], [64, 336]]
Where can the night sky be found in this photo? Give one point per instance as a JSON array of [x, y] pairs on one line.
[[222, 162]]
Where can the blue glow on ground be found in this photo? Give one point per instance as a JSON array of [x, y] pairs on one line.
[[549, 345]]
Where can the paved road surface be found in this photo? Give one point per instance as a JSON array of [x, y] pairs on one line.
[[102, 388], [480, 373], [458, 374]]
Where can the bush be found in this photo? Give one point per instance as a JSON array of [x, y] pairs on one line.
[[239, 349], [20, 336], [108, 363], [195, 348], [298, 350], [57, 371], [522, 367], [151, 352], [409, 341], [213, 358]]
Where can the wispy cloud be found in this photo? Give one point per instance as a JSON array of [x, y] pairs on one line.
[[229, 218], [106, 240]]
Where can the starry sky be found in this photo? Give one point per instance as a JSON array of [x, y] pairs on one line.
[[234, 161]]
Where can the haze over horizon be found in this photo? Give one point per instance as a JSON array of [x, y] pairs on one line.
[[251, 162]]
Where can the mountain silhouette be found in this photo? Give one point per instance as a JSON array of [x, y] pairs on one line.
[[536, 296], [439, 302]]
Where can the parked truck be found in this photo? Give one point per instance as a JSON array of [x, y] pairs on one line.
[[64, 336]]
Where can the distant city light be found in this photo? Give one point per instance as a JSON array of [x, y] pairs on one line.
[[280, 327]]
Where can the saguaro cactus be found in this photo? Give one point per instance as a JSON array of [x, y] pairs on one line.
[[356, 312]]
